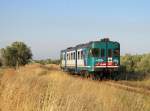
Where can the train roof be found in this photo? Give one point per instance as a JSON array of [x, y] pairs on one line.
[[87, 44], [68, 49]]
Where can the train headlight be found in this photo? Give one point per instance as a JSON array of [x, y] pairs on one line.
[[115, 62]]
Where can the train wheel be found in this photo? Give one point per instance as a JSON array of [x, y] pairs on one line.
[[83, 74], [115, 76], [91, 76], [97, 76], [100, 76], [87, 74]]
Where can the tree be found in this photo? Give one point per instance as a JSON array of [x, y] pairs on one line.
[[16, 55]]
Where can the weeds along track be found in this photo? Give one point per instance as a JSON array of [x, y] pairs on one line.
[[119, 85], [127, 87], [116, 84]]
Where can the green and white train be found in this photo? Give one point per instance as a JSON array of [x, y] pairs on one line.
[[97, 58]]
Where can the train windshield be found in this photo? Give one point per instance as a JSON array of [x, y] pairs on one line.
[[102, 52], [95, 52], [109, 52], [116, 52]]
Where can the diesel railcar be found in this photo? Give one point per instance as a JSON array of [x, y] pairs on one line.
[[96, 58]]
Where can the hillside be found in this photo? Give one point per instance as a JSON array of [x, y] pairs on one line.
[[46, 88]]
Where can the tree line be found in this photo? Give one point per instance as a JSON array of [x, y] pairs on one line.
[[48, 61]]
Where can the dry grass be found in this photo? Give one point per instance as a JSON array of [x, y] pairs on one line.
[[45, 88]]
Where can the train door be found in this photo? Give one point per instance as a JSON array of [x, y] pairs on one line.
[[105, 54], [109, 54], [80, 59], [63, 59]]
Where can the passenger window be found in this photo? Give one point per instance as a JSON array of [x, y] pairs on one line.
[[71, 56], [74, 55], [109, 52], [67, 56], [78, 54], [102, 52]]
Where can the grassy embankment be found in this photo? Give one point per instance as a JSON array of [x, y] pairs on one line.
[[44, 88]]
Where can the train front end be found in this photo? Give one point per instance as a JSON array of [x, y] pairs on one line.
[[104, 56]]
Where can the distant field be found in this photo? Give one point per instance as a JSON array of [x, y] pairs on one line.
[[46, 88]]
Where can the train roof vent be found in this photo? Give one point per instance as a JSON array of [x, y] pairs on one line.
[[69, 47], [105, 40]]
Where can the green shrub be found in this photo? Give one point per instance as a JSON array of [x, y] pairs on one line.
[[135, 63]]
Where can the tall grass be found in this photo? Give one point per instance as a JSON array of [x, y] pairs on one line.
[[44, 88]]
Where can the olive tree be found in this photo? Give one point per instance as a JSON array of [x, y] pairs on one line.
[[128, 62], [17, 54], [144, 64]]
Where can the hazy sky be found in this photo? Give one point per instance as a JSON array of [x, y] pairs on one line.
[[48, 26]]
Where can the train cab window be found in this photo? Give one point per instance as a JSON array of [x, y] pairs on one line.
[[109, 52], [116, 52], [102, 52], [95, 52]]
